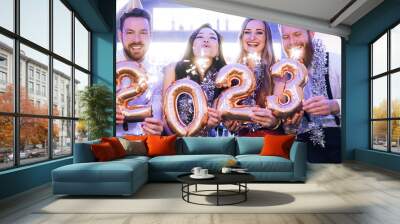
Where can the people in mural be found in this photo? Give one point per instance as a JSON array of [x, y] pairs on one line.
[[257, 53], [260, 45], [202, 60], [320, 125], [134, 33]]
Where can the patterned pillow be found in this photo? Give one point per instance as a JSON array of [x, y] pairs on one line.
[[136, 147]]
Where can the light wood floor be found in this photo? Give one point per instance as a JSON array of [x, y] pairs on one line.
[[377, 188]]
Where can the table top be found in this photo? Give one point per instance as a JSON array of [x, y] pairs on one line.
[[220, 178]]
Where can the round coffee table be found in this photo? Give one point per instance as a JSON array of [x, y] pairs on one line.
[[238, 179]]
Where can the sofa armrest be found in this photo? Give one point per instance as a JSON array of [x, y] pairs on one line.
[[298, 155], [83, 152]]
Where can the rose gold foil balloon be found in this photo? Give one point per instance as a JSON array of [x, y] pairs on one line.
[[289, 78], [227, 102], [126, 93], [200, 116]]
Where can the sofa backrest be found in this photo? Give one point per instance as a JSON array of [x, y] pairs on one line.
[[206, 145], [190, 146], [249, 145], [83, 152]]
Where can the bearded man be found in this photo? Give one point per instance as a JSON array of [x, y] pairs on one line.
[[135, 34], [320, 125]]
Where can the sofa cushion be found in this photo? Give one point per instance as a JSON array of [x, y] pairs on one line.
[[103, 152], [129, 159], [116, 145], [134, 147], [185, 163], [277, 145], [257, 163], [135, 137], [249, 145], [207, 145], [161, 145], [112, 171]]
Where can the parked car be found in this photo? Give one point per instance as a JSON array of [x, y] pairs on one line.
[[22, 155]]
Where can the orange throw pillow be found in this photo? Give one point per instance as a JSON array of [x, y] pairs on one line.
[[135, 137], [116, 145], [161, 145], [277, 145], [103, 152]]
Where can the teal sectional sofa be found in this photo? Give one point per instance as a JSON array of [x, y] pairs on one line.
[[125, 176]]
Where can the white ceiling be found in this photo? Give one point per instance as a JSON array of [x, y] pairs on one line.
[[317, 15]]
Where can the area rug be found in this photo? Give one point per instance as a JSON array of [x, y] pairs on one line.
[[166, 198]]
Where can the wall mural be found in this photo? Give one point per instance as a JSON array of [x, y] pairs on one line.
[[195, 72]]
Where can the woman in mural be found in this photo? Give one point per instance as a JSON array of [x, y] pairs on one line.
[[201, 62], [257, 53]]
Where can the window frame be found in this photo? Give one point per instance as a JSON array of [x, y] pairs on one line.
[[388, 74], [15, 68]]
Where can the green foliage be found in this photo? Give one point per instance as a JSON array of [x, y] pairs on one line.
[[96, 102]]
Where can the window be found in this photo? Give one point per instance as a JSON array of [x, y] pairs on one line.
[[35, 22], [30, 87], [47, 76], [81, 81], [62, 29], [385, 96], [30, 72], [3, 78], [37, 74], [81, 45], [3, 61], [6, 142], [62, 76], [44, 91], [38, 89], [62, 137], [7, 14], [7, 74]]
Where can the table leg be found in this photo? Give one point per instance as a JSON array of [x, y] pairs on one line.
[[188, 190], [196, 188], [182, 188], [245, 191], [217, 194]]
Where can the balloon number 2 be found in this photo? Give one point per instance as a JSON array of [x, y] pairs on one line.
[[131, 83], [289, 78], [200, 116], [228, 101]]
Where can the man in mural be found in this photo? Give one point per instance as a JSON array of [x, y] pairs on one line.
[[134, 33], [320, 125]]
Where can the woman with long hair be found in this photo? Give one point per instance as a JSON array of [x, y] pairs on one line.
[[257, 54], [204, 44]]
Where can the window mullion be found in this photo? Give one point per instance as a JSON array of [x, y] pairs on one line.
[[371, 98], [389, 106], [50, 81], [16, 84], [73, 82]]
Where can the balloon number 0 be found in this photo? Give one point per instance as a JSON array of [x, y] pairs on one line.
[[228, 101], [129, 92], [200, 116], [289, 78]]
